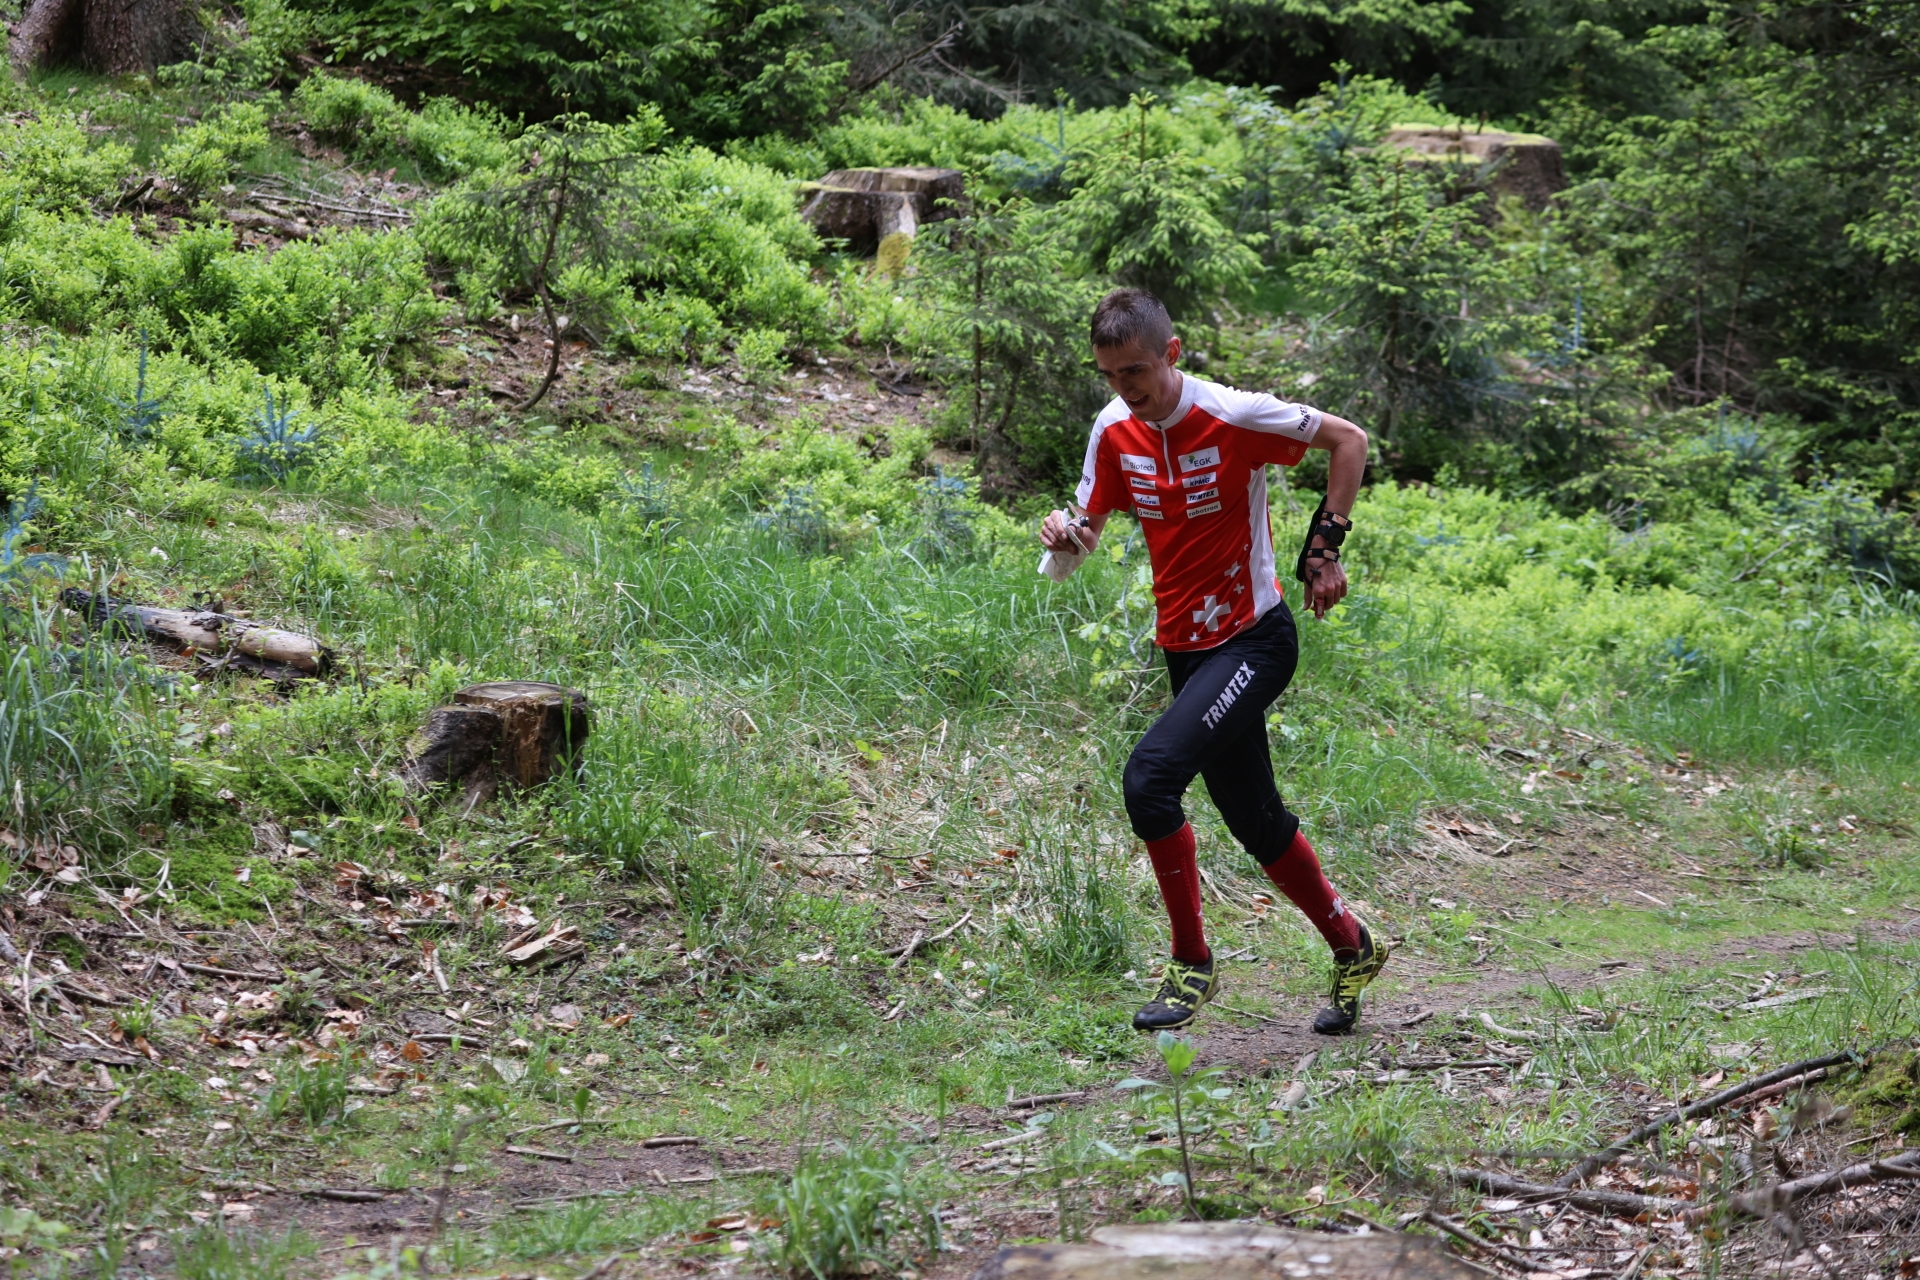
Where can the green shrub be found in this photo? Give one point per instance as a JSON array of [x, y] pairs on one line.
[[204, 156], [50, 162], [347, 111]]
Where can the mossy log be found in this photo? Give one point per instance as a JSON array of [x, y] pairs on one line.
[[1226, 1251], [220, 640], [520, 733]]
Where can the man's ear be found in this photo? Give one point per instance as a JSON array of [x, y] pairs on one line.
[[1173, 351]]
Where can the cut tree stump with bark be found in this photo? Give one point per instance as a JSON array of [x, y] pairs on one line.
[[868, 207], [1526, 165], [220, 640], [118, 37], [517, 732], [1226, 1251]]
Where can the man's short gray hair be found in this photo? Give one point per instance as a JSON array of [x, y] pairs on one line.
[[1127, 316]]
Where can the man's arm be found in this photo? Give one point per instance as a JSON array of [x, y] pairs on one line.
[[1347, 464]]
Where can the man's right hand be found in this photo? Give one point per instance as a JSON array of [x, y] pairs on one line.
[[1056, 536]]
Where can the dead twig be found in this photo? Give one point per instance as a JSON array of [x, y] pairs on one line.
[[537, 1153], [1042, 1099], [1460, 1233], [905, 952], [216, 972], [1590, 1165]]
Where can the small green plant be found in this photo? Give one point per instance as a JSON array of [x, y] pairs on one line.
[[23, 1231], [138, 1020], [318, 1092], [275, 448], [1183, 1100], [646, 497], [140, 415], [855, 1208], [799, 520], [947, 518], [212, 1253], [20, 563], [759, 352]]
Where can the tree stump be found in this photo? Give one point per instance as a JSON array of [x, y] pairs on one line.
[[1521, 164], [868, 208], [517, 732], [1226, 1251]]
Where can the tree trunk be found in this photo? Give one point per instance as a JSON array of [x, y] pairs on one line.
[[118, 37], [220, 639], [518, 732]]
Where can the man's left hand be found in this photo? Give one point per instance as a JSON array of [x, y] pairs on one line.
[[1326, 587]]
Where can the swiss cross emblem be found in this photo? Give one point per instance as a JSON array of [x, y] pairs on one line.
[[1210, 613]]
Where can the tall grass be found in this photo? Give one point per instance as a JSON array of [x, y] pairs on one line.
[[82, 745]]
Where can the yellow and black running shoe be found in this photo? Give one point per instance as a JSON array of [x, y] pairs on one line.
[[1352, 972], [1183, 989]]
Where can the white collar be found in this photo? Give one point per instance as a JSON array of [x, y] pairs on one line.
[[1180, 410]]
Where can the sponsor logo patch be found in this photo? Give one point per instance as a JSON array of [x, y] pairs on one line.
[[1140, 482], [1203, 495], [1207, 510], [1194, 482], [1148, 513], [1147, 499], [1140, 463], [1199, 458]]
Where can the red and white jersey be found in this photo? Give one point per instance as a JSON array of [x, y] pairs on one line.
[[1197, 482]]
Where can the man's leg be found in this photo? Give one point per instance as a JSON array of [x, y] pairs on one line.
[[1250, 670]]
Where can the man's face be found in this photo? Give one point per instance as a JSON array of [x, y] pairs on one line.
[[1146, 380]]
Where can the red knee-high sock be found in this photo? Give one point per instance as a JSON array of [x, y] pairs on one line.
[[1179, 876], [1297, 874]]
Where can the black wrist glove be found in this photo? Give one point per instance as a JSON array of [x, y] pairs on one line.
[[1330, 529]]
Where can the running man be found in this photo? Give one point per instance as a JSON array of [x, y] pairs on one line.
[[1188, 457]]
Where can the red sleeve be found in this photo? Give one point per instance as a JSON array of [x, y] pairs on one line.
[[1102, 488], [1266, 448]]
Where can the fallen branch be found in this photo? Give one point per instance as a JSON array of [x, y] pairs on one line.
[[908, 950], [281, 654], [1782, 1196], [672, 1140], [1609, 1202], [1592, 1164]]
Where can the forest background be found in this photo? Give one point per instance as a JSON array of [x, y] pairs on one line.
[[1646, 478]]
